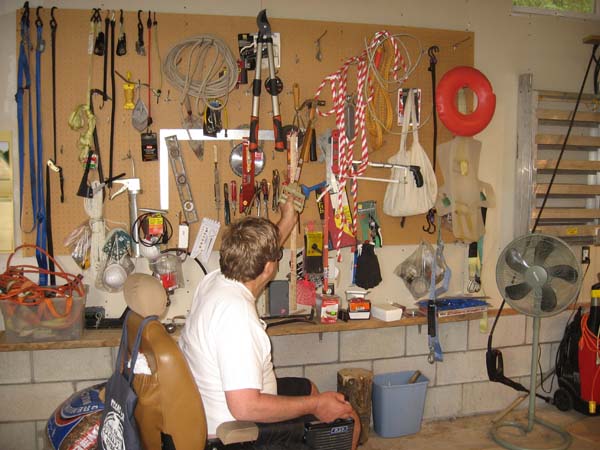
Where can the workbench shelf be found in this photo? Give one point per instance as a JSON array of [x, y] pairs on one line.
[[111, 338]]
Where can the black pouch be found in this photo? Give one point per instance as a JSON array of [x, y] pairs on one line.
[[368, 273]]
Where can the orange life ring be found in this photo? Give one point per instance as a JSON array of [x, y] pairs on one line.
[[458, 123]]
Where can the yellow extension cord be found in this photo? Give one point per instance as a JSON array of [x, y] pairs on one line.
[[380, 114]]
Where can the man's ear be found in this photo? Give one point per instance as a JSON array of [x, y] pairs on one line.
[[271, 268]]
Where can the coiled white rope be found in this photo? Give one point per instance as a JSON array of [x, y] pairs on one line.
[[187, 67]]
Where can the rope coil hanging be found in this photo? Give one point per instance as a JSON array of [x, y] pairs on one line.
[[338, 83], [188, 68]]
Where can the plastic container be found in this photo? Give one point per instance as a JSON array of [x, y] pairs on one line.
[[38, 323], [397, 405]]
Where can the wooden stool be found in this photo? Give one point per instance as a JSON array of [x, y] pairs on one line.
[[357, 386]]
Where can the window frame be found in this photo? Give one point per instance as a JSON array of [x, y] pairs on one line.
[[526, 10]]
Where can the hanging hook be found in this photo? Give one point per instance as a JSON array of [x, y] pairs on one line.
[[431, 226], [121, 16], [25, 16], [95, 15], [431, 51], [139, 17], [38, 20], [149, 21], [52, 19]]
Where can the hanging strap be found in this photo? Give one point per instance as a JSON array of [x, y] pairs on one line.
[[121, 365], [112, 107], [53, 28], [24, 84], [40, 211], [105, 69]]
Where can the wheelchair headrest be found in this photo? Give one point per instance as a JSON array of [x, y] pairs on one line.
[[145, 295]]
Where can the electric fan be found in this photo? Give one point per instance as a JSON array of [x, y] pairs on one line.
[[539, 276]]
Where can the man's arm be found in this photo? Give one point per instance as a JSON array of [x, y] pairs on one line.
[[252, 405], [287, 220]]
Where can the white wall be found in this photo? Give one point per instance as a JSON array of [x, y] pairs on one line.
[[505, 46]]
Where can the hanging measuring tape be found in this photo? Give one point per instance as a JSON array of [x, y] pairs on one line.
[[465, 124]]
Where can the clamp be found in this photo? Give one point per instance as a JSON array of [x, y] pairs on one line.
[[273, 85]]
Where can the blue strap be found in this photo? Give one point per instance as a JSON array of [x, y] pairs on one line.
[[40, 209], [24, 84]]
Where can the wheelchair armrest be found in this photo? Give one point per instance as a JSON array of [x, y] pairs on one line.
[[237, 432]]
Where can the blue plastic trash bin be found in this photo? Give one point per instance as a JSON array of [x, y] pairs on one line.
[[397, 405]]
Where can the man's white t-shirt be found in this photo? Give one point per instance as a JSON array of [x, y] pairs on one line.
[[226, 345]]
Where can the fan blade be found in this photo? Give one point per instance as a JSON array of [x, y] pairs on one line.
[[548, 299], [564, 272], [517, 291], [542, 251], [515, 261]]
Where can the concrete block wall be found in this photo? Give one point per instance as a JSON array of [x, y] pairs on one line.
[[34, 383]]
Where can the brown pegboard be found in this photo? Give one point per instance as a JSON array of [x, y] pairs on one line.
[[298, 65]]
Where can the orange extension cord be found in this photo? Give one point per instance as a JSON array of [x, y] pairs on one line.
[[21, 294]]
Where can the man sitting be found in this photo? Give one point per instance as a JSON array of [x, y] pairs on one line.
[[227, 347]]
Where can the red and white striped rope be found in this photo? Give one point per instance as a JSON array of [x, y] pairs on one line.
[[338, 82]]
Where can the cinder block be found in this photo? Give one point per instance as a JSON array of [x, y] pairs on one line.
[[18, 436], [443, 401], [552, 329], [15, 367], [289, 372], [325, 375], [74, 364], [32, 401], [42, 435], [371, 344], [510, 331], [461, 367], [303, 349], [407, 363], [416, 340], [486, 397], [453, 338], [517, 360]]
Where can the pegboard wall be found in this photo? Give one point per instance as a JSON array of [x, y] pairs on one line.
[[298, 64]]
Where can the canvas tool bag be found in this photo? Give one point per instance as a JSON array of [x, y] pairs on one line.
[[405, 198], [118, 429]]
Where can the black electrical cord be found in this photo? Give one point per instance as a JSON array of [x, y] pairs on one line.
[[494, 362], [141, 224]]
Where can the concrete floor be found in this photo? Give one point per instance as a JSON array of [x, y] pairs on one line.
[[473, 433]]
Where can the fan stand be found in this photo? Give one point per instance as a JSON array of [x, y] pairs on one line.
[[532, 419]]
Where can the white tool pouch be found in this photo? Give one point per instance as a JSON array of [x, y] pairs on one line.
[[405, 198]]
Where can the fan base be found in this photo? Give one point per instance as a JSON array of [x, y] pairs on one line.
[[565, 436]]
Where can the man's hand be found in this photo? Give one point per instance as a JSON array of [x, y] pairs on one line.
[[331, 406]]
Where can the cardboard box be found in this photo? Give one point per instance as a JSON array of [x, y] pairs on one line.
[[329, 305]]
